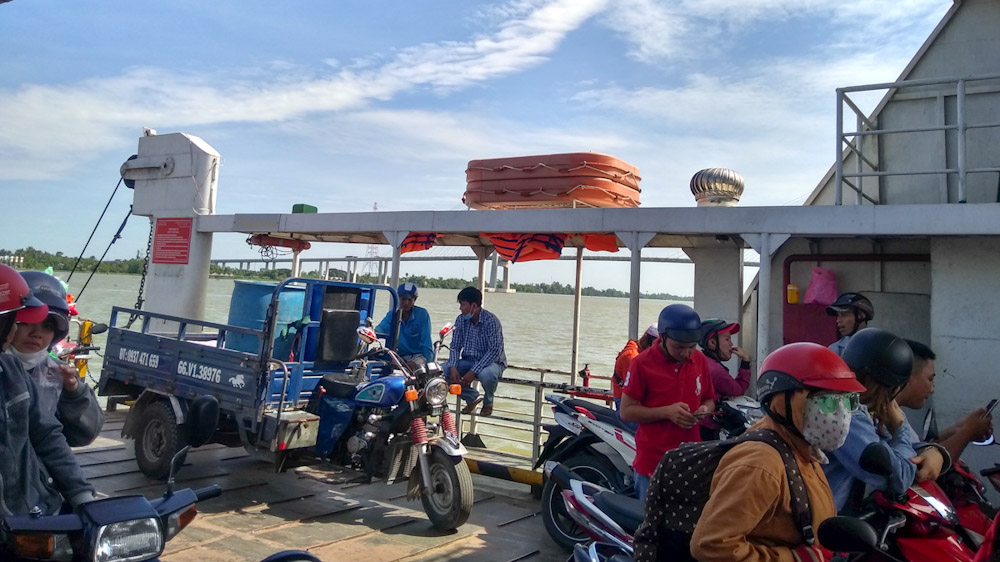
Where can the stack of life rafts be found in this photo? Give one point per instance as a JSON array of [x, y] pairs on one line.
[[573, 180]]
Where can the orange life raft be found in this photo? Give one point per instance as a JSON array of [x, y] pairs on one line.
[[578, 179]]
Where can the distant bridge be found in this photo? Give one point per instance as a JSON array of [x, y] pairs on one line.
[[352, 264]]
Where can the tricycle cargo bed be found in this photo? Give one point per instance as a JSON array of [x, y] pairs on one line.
[[174, 365]]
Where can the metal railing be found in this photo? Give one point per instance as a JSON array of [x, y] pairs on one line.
[[522, 425], [854, 141]]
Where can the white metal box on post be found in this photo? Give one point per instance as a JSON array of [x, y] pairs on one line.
[[176, 177]]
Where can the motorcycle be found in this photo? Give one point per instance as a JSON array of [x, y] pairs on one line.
[[119, 529], [916, 524], [608, 519], [598, 447], [380, 426], [595, 444]]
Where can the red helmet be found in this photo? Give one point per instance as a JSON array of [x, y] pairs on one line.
[[16, 297], [804, 365]]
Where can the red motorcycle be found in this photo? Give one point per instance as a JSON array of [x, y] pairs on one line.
[[920, 524]]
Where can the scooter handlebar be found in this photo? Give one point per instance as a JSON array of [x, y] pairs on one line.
[[208, 492], [562, 476]]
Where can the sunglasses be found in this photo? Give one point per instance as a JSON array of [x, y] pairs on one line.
[[829, 403]]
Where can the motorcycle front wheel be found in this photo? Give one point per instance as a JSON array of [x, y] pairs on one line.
[[449, 502], [561, 527]]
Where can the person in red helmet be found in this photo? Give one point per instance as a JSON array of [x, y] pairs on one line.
[[717, 345], [60, 389], [808, 393], [38, 467]]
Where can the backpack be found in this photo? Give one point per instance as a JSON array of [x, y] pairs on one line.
[[679, 489]]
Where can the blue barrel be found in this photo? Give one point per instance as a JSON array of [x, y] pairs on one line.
[[248, 307]]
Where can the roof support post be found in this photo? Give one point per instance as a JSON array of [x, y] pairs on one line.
[[766, 245], [482, 252], [635, 242], [838, 183], [577, 298], [395, 239], [960, 139]]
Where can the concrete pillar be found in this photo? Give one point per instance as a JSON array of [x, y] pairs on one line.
[[965, 331], [718, 285], [493, 271]]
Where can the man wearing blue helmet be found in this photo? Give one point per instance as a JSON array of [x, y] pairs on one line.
[[414, 343], [668, 387]]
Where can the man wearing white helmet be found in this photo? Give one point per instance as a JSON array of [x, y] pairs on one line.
[[414, 342]]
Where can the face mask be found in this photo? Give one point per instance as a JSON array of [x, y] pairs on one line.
[[29, 360], [467, 316], [827, 419]]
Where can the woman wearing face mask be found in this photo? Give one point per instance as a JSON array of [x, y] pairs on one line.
[[808, 393], [882, 362], [60, 389]]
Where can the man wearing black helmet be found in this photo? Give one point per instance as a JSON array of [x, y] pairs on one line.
[[60, 389], [853, 312], [882, 363], [667, 388], [37, 466]]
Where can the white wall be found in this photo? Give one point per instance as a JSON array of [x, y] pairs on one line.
[[965, 325]]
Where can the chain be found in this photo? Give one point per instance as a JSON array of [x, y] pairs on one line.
[[142, 280]]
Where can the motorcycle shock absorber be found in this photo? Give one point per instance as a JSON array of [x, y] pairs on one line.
[[418, 431], [448, 422]]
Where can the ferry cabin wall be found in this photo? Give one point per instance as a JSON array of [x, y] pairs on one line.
[[965, 321]]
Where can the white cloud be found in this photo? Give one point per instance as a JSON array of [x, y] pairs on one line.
[[86, 118], [664, 31]]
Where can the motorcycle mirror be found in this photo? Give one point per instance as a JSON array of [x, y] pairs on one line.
[[445, 330], [202, 419], [876, 460], [847, 534], [99, 328], [367, 335]]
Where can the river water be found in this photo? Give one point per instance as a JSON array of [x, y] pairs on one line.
[[538, 328]]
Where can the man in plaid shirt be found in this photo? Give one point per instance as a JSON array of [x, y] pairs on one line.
[[476, 351]]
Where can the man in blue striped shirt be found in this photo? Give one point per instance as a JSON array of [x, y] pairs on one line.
[[476, 351]]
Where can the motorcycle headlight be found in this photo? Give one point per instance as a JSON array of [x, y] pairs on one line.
[[436, 392], [129, 541]]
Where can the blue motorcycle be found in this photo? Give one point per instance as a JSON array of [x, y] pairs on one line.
[[380, 425]]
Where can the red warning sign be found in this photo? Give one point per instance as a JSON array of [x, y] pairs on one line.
[[172, 241]]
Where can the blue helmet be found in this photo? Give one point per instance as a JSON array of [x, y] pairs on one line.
[[407, 290], [680, 322]]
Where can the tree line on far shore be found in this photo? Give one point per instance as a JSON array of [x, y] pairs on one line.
[[38, 260]]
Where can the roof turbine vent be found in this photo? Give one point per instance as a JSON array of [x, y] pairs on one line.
[[717, 187]]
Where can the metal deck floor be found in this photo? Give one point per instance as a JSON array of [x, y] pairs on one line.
[[317, 508]]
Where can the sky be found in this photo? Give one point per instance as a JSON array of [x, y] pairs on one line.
[[346, 104]]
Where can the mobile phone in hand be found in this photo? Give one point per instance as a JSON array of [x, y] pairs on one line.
[[990, 406]]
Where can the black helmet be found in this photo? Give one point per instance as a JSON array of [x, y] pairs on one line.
[[680, 322], [857, 302], [714, 326], [50, 291], [880, 356]]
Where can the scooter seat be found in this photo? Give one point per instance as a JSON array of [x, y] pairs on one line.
[[627, 512], [339, 385], [606, 415]]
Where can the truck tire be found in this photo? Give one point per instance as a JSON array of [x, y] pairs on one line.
[[157, 439]]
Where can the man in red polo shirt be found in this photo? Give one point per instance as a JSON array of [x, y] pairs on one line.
[[667, 389]]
